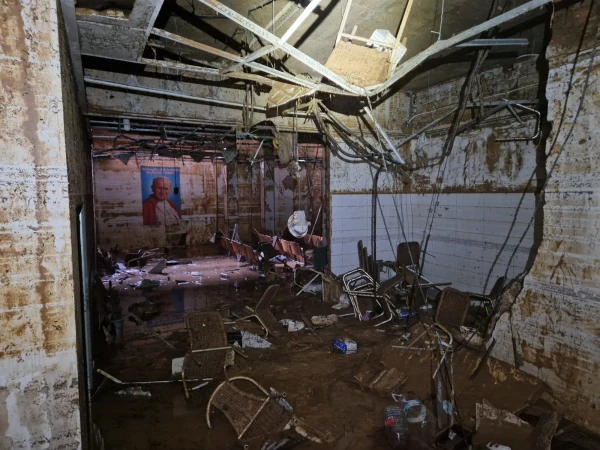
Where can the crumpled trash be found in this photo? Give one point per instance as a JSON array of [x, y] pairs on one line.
[[134, 390], [250, 340], [324, 321], [343, 302], [292, 325]]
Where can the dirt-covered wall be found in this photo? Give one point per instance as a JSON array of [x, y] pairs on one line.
[[555, 318], [486, 187], [42, 183]]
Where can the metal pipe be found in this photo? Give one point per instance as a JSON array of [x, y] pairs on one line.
[[137, 383], [538, 119], [256, 154], [303, 16], [106, 83], [385, 136], [494, 42]]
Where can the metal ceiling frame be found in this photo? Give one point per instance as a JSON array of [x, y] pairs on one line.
[[344, 87], [287, 48], [283, 39], [402, 70]]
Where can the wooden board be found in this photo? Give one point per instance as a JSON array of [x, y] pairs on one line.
[[359, 65]]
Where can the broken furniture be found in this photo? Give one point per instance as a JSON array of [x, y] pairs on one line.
[[264, 315], [358, 283], [453, 307], [385, 382], [208, 354], [142, 257], [414, 286], [252, 415], [318, 263], [365, 261]]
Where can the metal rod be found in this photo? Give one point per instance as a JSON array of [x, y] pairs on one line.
[[391, 146], [344, 19], [275, 19], [316, 220], [202, 350], [133, 383], [363, 39], [494, 42], [403, 23], [152, 332], [538, 119], [256, 154], [197, 45], [303, 16]]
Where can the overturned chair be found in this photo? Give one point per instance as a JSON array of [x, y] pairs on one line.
[[263, 314], [252, 415], [208, 354], [257, 414]]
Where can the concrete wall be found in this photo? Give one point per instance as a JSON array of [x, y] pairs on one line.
[[487, 190], [39, 402], [556, 316]]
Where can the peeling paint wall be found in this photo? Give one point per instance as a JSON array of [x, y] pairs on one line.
[[555, 318], [118, 201], [479, 231], [41, 184]]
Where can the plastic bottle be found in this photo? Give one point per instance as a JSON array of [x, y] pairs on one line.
[[420, 422], [396, 427]]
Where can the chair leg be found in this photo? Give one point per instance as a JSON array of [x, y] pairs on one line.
[[185, 389]]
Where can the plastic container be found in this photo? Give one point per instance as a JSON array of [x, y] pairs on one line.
[[420, 421], [396, 427], [344, 346], [495, 446]]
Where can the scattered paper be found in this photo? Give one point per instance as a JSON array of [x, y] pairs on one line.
[[250, 340]]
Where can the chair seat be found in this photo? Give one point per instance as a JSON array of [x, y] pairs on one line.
[[252, 416]]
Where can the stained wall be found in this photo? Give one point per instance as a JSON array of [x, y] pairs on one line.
[[555, 318], [473, 209], [118, 201], [42, 173]]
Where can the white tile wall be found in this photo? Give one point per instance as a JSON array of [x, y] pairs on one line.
[[472, 236]]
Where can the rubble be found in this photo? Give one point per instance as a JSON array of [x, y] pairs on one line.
[[135, 391], [324, 321], [250, 340]]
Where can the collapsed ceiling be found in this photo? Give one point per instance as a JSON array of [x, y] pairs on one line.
[[294, 49]]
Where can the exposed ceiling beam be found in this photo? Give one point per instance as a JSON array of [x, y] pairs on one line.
[[256, 66], [274, 40], [441, 45], [197, 45], [68, 11], [116, 38], [269, 48], [146, 90], [171, 65]]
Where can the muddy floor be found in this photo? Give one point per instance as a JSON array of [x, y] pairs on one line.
[[319, 384]]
